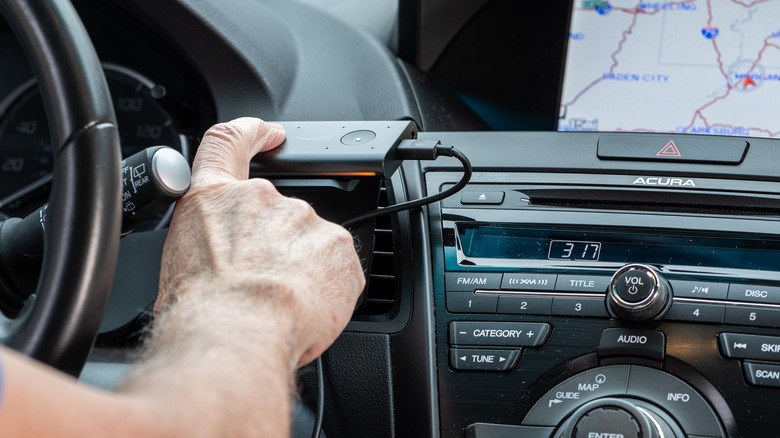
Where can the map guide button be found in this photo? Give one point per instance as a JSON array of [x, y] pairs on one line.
[[678, 148]]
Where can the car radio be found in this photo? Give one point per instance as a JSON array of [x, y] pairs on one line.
[[574, 303]]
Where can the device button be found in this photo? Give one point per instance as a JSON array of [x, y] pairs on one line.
[[672, 394], [634, 285], [484, 198], [358, 138], [757, 316], [483, 360], [582, 283], [524, 305], [499, 334], [696, 312], [486, 430], [469, 302], [574, 306], [632, 342], [759, 374], [754, 293], [699, 289], [671, 148], [528, 282], [469, 282], [741, 346], [558, 402]]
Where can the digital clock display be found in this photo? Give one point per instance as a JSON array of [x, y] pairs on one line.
[[574, 250], [619, 245]]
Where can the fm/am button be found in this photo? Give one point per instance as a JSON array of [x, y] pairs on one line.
[[471, 281]]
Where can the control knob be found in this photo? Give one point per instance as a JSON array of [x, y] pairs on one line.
[[639, 293]]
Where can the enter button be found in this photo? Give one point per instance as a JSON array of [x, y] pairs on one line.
[[632, 342]]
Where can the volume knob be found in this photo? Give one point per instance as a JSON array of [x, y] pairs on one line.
[[639, 293]]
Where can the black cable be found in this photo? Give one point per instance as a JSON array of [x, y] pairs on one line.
[[320, 400], [414, 150], [445, 151]]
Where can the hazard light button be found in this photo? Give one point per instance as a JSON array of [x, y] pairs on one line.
[[662, 147]]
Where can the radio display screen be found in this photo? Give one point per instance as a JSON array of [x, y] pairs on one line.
[[678, 67], [583, 244]]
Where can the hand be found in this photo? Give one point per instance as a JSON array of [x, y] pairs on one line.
[[238, 242]]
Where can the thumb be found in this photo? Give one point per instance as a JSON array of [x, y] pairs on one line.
[[226, 149]]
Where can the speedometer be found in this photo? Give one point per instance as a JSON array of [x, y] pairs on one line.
[[26, 159]]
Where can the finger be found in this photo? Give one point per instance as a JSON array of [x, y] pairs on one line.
[[226, 149]]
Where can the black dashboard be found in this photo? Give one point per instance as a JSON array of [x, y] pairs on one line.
[[591, 284]]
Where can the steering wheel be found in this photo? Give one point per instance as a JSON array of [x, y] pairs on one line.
[[84, 214]]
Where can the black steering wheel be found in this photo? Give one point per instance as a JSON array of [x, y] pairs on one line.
[[84, 215]]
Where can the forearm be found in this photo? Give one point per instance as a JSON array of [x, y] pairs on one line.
[[220, 366], [214, 369]]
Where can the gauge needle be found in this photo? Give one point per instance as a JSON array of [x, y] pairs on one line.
[[25, 190]]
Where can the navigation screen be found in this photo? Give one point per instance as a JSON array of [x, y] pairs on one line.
[[696, 66]]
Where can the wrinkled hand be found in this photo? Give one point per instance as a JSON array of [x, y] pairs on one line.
[[233, 235]]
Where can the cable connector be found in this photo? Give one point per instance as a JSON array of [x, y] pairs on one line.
[[418, 150]]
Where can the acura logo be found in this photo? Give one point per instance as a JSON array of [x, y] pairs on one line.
[[664, 181]]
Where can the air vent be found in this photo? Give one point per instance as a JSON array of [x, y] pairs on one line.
[[382, 290]]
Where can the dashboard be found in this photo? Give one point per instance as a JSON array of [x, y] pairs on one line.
[[609, 270]]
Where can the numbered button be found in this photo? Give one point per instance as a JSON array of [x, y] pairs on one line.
[[696, 312], [757, 316], [468, 302], [572, 306], [525, 305]]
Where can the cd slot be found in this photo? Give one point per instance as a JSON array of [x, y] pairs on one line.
[[667, 201]]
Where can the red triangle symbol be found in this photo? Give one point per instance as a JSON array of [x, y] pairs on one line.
[[670, 150]]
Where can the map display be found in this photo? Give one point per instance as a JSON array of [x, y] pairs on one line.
[[696, 66]]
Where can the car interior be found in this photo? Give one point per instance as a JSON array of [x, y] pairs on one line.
[[566, 211]]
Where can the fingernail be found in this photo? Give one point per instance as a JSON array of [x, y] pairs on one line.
[[276, 126]]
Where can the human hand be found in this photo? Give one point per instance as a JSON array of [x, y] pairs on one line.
[[238, 242]]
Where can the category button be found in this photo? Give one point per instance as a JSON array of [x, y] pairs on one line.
[[499, 334], [756, 347], [754, 293], [699, 289], [632, 342], [582, 283], [469, 282], [528, 282], [483, 360]]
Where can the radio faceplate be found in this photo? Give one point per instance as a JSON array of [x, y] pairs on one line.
[[513, 269]]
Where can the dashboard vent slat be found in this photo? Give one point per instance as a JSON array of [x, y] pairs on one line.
[[381, 292]]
